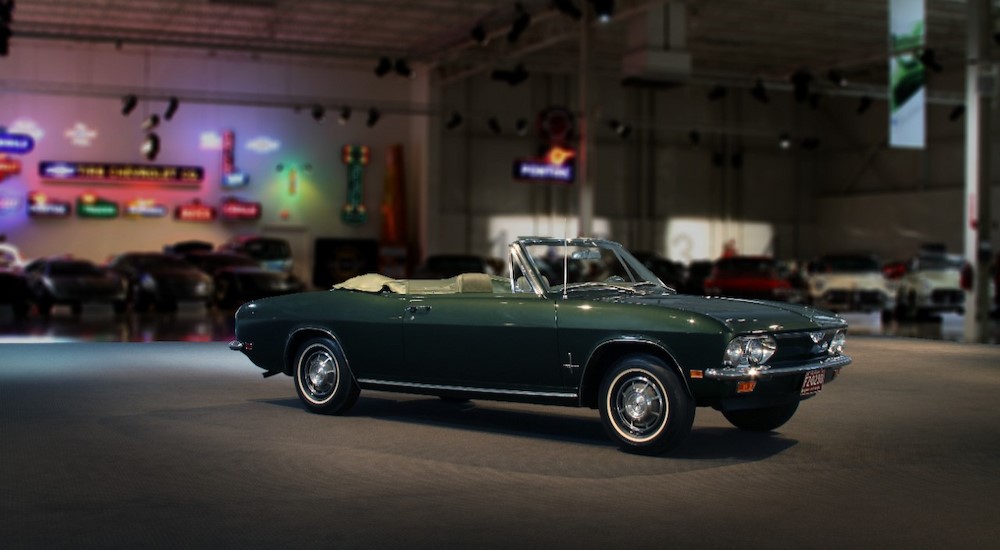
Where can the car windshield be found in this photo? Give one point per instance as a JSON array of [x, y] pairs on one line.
[[75, 269], [590, 265], [847, 264]]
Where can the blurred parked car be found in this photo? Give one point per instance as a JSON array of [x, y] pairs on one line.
[[850, 282], [670, 272], [162, 280], [444, 266], [272, 253], [756, 277], [932, 284], [71, 281], [14, 291], [697, 272], [238, 278], [10, 257]]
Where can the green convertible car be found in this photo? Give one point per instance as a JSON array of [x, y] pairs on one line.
[[576, 322]]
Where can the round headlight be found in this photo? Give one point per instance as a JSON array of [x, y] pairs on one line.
[[759, 350], [837, 343], [734, 352]]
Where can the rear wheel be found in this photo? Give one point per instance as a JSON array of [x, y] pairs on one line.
[[645, 406], [323, 380], [763, 419]]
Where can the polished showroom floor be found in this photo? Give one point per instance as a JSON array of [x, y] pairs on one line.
[[194, 323]]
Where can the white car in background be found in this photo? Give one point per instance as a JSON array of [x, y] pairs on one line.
[[932, 284], [10, 257], [850, 282]]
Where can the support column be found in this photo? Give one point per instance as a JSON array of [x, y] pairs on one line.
[[585, 187], [979, 82]]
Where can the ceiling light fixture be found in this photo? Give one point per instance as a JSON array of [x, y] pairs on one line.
[[494, 125], [129, 103], [373, 116], [837, 78], [864, 104], [171, 110], [151, 146], [383, 67], [345, 115], [785, 141], [479, 35], [318, 113], [800, 83], [623, 130], [403, 69], [759, 92], [956, 113], [454, 121], [694, 136], [152, 121], [521, 127], [605, 10], [810, 143], [521, 21]]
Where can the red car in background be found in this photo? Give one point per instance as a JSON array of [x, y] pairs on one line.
[[755, 277]]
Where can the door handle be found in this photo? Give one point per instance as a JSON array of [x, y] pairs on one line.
[[415, 309]]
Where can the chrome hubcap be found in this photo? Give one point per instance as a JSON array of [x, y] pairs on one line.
[[640, 405], [321, 374]]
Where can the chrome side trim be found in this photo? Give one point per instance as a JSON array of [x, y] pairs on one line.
[[764, 372], [466, 389]]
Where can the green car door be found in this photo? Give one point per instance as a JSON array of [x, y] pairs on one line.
[[492, 341]]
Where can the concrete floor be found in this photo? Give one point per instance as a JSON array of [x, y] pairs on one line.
[[167, 445]]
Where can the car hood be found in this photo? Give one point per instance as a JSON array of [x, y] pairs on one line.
[[740, 315]]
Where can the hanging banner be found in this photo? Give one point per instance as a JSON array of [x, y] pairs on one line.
[[356, 158], [907, 74]]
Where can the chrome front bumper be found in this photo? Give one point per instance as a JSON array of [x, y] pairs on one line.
[[764, 372]]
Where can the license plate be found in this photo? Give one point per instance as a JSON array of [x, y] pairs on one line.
[[813, 382]]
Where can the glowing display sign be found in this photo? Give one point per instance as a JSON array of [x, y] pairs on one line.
[[356, 157], [40, 206], [235, 209], [120, 173], [557, 167], [194, 211], [92, 206], [16, 144], [9, 167], [9, 203], [230, 176], [145, 208]]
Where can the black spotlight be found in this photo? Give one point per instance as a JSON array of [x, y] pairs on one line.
[[454, 121], [837, 78], [151, 146], [518, 75], [759, 92], [345, 114], [956, 113], [152, 121], [521, 21], [383, 67], [717, 93], [567, 7], [800, 83], [403, 69], [623, 130], [810, 143], [785, 141], [929, 59], [814, 100], [494, 125], [171, 110], [694, 136], [128, 104], [521, 127], [373, 116], [605, 10], [318, 113], [864, 104], [478, 34]]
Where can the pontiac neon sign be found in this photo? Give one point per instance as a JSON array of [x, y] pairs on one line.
[[40, 206], [120, 173], [557, 166]]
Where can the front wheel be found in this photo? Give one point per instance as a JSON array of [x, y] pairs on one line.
[[763, 419], [322, 378], [645, 405]]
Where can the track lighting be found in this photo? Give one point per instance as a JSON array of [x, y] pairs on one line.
[[521, 21], [785, 141], [515, 77], [383, 67], [864, 104], [759, 92], [800, 83], [152, 121], [373, 116], [956, 113], [521, 127], [171, 110], [494, 125], [345, 115], [623, 130], [151, 146], [478, 34], [837, 78], [318, 113], [128, 104], [403, 69], [454, 121]]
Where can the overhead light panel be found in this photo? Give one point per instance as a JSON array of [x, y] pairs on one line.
[[373, 116], [520, 24]]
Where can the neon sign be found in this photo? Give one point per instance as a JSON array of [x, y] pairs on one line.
[[557, 167], [263, 145], [194, 211], [92, 206], [235, 209], [81, 135], [27, 126], [9, 167], [40, 206], [120, 173], [356, 157], [16, 144], [145, 208], [230, 177], [9, 203]]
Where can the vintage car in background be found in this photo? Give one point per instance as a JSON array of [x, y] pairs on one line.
[[272, 253], [931, 284], [237, 278], [64, 280], [850, 282], [13, 285], [755, 277], [670, 272], [161, 280], [614, 339], [442, 266]]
